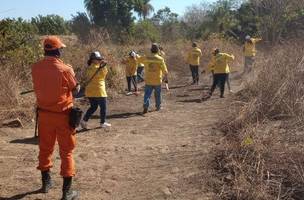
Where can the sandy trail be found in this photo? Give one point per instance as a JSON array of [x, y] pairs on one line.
[[160, 156]]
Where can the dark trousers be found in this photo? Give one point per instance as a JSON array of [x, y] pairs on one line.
[[130, 80], [219, 80], [94, 103], [194, 73]]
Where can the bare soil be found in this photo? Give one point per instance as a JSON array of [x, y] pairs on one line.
[[163, 155]]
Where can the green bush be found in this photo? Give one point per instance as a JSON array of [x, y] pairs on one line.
[[19, 48], [50, 25], [81, 25], [145, 31]]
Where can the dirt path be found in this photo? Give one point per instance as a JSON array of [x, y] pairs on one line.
[[159, 156]]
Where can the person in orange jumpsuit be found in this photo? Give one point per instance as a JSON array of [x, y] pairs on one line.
[[54, 83]]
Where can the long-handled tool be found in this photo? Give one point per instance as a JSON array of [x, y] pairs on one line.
[[26, 92], [37, 113], [36, 123]]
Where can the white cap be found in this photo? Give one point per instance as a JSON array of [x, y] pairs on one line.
[[247, 37], [96, 55], [133, 54]]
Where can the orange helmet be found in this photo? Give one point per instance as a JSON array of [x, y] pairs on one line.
[[52, 43]]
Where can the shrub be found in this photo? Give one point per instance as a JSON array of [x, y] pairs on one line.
[[262, 157], [145, 31], [50, 25], [19, 49]]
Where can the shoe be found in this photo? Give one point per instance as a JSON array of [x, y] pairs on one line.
[[46, 181], [129, 93], [84, 124], [205, 98], [145, 111], [67, 192], [231, 91], [222, 96], [136, 93], [105, 125], [158, 108]]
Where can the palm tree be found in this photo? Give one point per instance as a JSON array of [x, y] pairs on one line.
[[147, 8], [143, 8], [91, 6]]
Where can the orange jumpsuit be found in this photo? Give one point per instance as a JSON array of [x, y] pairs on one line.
[[53, 84]]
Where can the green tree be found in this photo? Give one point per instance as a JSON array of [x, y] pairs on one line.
[[193, 20], [143, 8], [167, 23], [50, 25], [222, 14], [279, 18], [114, 15], [81, 25], [145, 30], [165, 15]]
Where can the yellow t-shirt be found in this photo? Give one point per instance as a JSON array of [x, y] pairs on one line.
[[211, 63], [131, 66], [220, 65], [250, 49], [194, 56], [155, 68], [97, 87]]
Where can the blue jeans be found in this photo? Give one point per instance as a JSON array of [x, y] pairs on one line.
[[94, 103], [148, 93]]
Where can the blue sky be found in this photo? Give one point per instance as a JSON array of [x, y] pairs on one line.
[[31, 8]]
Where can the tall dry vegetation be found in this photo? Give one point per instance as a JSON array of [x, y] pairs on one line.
[[262, 155]]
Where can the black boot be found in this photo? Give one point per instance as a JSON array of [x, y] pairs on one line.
[[67, 192], [46, 181]]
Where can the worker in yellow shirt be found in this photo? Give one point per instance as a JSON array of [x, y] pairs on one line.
[[211, 65], [194, 61], [131, 72], [155, 70], [219, 66], [250, 52], [96, 89]]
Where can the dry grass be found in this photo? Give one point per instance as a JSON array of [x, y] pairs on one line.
[[262, 155], [16, 73]]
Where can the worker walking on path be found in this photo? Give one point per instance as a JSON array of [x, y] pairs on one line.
[[250, 52], [54, 83], [221, 70], [96, 89], [131, 72], [211, 68], [194, 62], [155, 70]]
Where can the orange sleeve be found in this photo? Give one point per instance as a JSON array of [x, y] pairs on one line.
[[70, 78]]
